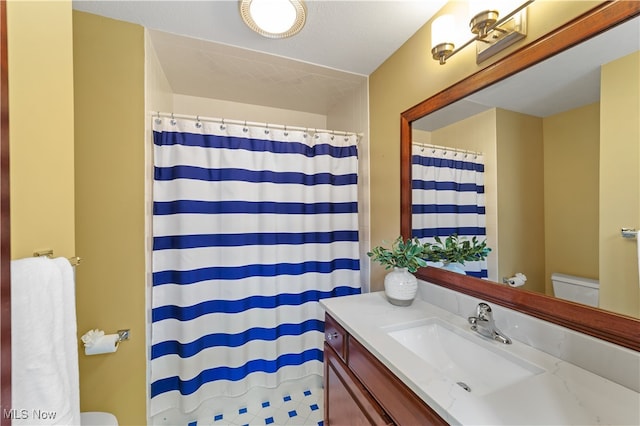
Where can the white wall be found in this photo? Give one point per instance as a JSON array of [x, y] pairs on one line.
[[353, 115], [216, 108]]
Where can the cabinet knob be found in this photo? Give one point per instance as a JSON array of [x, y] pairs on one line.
[[331, 336]]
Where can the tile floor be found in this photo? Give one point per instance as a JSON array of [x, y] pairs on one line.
[[304, 406]]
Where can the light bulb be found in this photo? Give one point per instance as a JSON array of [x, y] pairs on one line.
[[273, 16], [443, 30]]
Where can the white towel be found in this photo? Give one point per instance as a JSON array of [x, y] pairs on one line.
[[45, 386]]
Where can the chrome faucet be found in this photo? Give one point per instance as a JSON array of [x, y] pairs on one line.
[[483, 323]]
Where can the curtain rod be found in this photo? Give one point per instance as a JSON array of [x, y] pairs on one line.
[[253, 123], [447, 148]]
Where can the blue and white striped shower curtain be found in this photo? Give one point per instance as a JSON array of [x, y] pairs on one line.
[[448, 197], [251, 227]]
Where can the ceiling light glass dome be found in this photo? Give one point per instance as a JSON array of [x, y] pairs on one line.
[[274, 18]]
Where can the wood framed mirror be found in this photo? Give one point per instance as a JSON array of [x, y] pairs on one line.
[[615, 328]]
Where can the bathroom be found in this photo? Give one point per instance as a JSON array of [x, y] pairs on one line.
[[77, 213]]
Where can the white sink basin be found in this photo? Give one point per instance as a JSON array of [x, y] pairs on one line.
[[476, 364]]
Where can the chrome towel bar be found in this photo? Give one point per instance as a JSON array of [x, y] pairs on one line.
[[74, 261]]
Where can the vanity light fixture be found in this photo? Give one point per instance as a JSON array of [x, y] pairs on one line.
[[493, 29], [274, 18]]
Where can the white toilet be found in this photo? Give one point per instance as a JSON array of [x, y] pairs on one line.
[[96, 418], [576, 289]]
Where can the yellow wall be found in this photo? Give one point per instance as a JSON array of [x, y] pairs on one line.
[[41, 127], [410, 76], [110, 210], [571, 159], [521, 223], [619, 184]]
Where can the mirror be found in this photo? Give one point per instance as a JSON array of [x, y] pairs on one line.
[[475, 91], [539, 132]]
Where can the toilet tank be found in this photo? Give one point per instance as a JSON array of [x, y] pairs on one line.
[[577, 289]]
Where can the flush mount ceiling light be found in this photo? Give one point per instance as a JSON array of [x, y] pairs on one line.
[[274, 18], [493, 26]]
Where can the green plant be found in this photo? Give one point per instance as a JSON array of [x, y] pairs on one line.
[[455, 249], [402, 254]]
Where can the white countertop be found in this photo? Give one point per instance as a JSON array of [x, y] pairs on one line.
[[563, 394]]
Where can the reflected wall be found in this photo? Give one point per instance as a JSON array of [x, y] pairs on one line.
[[620, 184]]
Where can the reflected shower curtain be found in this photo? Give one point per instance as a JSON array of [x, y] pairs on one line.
[[251, 227], [448, 197]]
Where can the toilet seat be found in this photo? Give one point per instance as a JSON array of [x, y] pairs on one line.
[[96, 418]]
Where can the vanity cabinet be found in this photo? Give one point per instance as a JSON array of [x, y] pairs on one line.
[[359, 389]]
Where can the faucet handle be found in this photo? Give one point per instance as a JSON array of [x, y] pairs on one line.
[[483, 312]]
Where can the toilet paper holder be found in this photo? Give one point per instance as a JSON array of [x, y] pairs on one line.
[[123, 335], [517, 280], [96, 342]]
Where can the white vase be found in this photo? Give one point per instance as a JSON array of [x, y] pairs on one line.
[[454, 267], [400, 287]]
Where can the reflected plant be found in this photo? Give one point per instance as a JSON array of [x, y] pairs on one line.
[[456, 250]]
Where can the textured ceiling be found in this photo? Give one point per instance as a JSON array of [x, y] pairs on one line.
[[355, 36], [207, 51], [219, 71]]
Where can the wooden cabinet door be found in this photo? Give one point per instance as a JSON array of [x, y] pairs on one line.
[[346, 401], [400, 403]]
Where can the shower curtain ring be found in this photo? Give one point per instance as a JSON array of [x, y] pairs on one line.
[[266, 128], [222, 126], [198, 123]]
